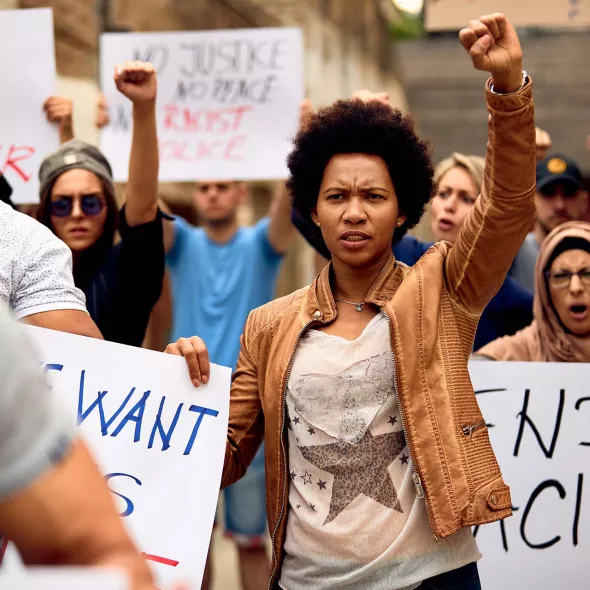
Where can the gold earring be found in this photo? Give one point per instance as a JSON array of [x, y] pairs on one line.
[[317, 223]]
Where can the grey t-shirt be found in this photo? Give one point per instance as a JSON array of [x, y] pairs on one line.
[[523, 267], [34, 431]]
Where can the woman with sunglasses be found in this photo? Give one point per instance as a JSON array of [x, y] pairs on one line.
[[121, 282], [560, 331], [377, 456]]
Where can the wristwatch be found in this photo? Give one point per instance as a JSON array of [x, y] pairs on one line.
[[525, 79]]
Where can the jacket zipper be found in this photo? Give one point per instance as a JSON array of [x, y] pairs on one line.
[[416, 475], [283, 451], [469, 429]]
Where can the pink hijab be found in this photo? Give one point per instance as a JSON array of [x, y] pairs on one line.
[[545, 339]]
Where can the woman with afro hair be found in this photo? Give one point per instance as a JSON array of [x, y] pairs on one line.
[[378, 459]]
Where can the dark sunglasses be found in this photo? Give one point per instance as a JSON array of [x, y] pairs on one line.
[[91, 205]]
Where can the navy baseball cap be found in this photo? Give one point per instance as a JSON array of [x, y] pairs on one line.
[[558, 169]]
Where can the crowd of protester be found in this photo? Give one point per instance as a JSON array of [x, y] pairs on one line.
[[507, 276]]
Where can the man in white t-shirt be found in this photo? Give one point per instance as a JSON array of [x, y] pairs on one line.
[[36, 279]]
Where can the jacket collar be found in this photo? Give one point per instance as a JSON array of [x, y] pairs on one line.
[[320, 298]]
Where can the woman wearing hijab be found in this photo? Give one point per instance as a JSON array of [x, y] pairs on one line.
[[123, 281], [560, 331], [358, 384]]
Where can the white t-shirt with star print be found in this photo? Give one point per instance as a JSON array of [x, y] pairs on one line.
[[355, 519]]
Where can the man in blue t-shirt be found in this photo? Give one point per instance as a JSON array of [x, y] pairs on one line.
[[218, 274]]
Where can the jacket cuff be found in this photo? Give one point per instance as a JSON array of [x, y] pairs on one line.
[[509, 102]]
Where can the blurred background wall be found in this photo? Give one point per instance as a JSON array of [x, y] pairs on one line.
[[346, 49], [350, 44]]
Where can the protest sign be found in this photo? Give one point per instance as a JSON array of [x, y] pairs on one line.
[[159, 442], [61, 578], [455, 14], [228, 101], [538, 416], [27, 63]]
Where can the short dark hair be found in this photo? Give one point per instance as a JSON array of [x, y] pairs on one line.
[[350, 127]]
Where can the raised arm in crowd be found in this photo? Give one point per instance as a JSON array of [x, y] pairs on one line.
[[122, 281], [359, 384]]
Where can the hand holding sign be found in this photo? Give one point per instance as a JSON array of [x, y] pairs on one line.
[[196, 355], [494, 47], [102, 118], [137, 81], [59, 109], [368, 96], [305, 112]]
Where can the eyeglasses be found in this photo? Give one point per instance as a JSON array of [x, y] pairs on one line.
[[561, 279], [91, 205]]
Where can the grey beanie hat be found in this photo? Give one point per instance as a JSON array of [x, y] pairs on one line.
[[74, 154]]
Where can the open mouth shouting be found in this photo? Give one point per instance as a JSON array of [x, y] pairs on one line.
[[578, 311]]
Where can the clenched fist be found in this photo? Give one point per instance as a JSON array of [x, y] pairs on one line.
[[494, 47], [137, 81]]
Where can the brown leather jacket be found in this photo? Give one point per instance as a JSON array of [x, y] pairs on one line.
[[433, 309]]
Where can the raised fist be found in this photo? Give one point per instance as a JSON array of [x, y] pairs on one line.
[[494, 47], [58, 110], [137, 81]]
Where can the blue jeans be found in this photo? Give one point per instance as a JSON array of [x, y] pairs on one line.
[[464, 578], [245, 506]]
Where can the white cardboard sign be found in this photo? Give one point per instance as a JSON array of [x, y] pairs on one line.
[[62, 578], [27, 63], [228, 101], [159, 442], [540, 414]]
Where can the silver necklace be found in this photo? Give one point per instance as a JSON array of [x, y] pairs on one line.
[[357, 306]]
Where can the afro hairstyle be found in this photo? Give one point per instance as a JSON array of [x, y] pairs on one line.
[[355, 127]]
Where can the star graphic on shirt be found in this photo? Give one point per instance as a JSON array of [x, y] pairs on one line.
[[296, 420], [321, 484], [392, 420], [289, 423], [312, 506], [404, 459], [306, 478], [311, 430], [368, 462], [298, 506], [293, 475]]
